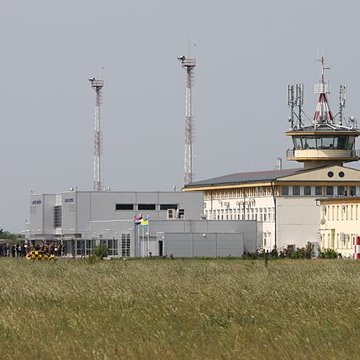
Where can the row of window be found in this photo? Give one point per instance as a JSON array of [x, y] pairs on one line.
[[342, 241], [297, 190], [257, 191], [86, 247], [342, 142], [341, 212], [258, 214], [129, 206]]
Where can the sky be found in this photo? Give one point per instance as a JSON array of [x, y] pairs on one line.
[[247, 53]]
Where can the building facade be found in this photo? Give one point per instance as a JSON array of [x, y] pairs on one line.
[[136, 224], [339, 224]]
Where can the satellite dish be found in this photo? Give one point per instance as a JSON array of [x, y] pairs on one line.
[[322, 221]]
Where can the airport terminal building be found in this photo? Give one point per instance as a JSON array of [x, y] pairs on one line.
[[136, 224]]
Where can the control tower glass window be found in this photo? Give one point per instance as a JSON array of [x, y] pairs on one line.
[[341, 142]]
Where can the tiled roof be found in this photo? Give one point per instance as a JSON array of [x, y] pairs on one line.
[[246, 177]]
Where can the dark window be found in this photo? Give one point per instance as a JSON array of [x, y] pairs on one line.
[[168, 206], [284, 190], [124, 207], [57, 216], [318, 190], [341, 190], [352, 190], [341, 174], [125, 245], [296, 190], [181, 214], [307, 190], [329, 190], [146, 206], [330, 174]]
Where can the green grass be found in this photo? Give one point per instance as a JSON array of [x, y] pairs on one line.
[[163, 309]]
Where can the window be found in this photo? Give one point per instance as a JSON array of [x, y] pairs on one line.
[[352, 190], [146, 206], [113, 247], [181, 214], [124, 207], [329, 190], [80, 247], [57, 216], [318, 190], [125, 245], [341, 190], [89, 246], [307, 190], [169, 206], [284, 190], [296, 190]]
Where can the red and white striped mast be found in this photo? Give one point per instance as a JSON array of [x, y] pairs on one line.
[[188, 65], [97, 85], [323, 114]]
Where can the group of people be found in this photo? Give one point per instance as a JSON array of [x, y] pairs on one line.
[[22, 249]]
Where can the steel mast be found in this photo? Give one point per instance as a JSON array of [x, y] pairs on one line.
[[188, 65], [97, 85]]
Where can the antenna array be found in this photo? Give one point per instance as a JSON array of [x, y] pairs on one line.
[[295, 98]]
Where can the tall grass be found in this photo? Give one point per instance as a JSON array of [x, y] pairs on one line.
[[188, 309]]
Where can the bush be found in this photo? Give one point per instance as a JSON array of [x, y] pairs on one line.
[[100, 251], [329, 254]]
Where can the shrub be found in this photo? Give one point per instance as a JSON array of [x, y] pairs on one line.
[[100, 251]]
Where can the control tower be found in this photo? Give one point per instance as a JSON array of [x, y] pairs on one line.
[[328, 140]]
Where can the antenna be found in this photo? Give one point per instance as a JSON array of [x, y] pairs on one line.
[[342, 100], [97, 85], [295, 98], [291, 104], [322, 113], [188, 65], [299, 100]]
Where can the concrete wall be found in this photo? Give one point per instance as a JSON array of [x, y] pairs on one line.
[[42, 214], [198, 245], [182, 238], [297, 222]]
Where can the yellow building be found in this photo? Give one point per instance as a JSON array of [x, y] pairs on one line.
[[340, 224]]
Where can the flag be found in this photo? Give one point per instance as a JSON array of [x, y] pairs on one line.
[[138, 219], [144, 222]]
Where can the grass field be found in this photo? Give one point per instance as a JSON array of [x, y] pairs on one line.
[[192, 309]]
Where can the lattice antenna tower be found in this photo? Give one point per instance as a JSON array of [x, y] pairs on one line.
[[189, 66], [97, 85], [342, 101], [295, 98]]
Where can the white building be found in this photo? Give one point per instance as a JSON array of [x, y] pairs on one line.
[[283, 201], [174, 224]]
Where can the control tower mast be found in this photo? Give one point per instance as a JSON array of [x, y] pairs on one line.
[[188, 65], [97, 85]]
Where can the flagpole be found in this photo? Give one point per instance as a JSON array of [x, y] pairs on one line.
[[148, 238], [143, 241]]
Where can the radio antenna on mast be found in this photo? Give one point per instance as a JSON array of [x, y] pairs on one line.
[[189, 66], [97, 85]]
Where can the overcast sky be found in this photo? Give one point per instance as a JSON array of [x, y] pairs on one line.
[[247, 53]]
